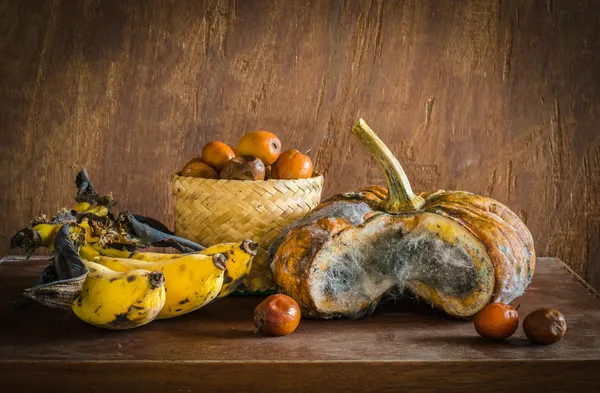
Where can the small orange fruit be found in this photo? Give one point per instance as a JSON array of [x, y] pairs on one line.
[[261, 144], [292, 164], [497, 321], [217, 154], [277, 315], [199, 169]]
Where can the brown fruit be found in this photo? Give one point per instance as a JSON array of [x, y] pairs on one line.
[[268, 172], [545, 326], [243, 168], [277, 315], [217, 154], [497, 321], [292, 164], [199, 169], [261, 144]]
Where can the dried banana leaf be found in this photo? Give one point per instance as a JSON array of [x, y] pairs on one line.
[[68, 272], [153, 237], [67, 261], [49, 274], [153, 223], [86, 192]]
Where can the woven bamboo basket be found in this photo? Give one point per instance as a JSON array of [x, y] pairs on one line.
[[210, 211]]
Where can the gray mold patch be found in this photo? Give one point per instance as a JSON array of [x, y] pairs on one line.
[[350, 211], [342, 277], [361, 267], [426, 258]]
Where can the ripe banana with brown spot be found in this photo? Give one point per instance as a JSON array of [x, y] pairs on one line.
[[108, 251], [239, 260], [98, 295], [105, 298], [115, 300], [192, 281]]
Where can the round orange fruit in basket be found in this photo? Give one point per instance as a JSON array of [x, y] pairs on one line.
[[292, 164], [199, 169], [262, 144], [217, 154]]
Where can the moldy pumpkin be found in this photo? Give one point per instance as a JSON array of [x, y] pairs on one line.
[[456, 250]]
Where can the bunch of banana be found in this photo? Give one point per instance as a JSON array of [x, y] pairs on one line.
[[115, 300], [92, 212], [236, 257], [97, 295], [99, 273], [192, 281]]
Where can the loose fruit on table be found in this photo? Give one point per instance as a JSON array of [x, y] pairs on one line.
[[277, 315], [545, 326], [497, 321]]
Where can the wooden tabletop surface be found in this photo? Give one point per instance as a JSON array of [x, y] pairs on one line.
[[403, 346]]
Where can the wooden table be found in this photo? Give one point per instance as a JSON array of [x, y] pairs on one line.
[[402, 347]]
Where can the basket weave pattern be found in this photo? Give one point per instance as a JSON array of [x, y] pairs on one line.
[[211, 211]]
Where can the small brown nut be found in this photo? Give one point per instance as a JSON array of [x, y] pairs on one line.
[[545, 326]]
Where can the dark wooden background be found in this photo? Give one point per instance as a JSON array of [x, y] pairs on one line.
[[132, 89]]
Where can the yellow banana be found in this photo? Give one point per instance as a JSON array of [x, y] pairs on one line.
[[239, 260], [116, 300], [87, 252], [192, 281], [86, 207], [146, 256], [47, 234], [154, 256], [100, 211], [109, 251], [82, 207]]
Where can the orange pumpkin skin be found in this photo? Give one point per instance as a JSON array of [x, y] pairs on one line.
[[503, 237], [496, 226]]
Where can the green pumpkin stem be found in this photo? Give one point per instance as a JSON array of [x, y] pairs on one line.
[[401, 198]]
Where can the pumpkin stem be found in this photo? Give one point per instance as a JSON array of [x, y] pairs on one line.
[[400, 198]]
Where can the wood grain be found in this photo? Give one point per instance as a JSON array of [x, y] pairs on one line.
[[514, 376], [403, 346], [494, 97]]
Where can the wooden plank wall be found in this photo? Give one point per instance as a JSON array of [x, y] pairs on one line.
[[132, 89]]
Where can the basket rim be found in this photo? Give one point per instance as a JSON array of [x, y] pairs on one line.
[[315, 177]]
